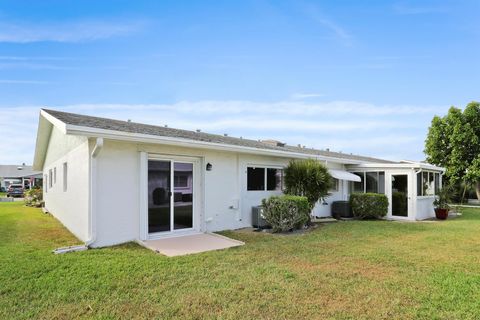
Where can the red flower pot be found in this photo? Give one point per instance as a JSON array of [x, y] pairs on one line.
[[441, 213]]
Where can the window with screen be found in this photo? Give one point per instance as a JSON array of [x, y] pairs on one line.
[[255, 179], [428, 183], [274, 179], [358, 186], [335, 185]]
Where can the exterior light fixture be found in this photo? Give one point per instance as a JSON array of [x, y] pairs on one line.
[[209, 167]]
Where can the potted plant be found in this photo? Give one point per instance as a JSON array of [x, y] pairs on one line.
[[441, 203]]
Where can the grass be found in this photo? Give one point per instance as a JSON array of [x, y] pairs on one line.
[[345, 270], [3, 194]]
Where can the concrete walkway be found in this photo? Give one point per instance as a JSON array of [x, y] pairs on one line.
[[190, 244]]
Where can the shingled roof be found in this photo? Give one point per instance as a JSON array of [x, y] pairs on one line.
[[17, 171], [139, 128]]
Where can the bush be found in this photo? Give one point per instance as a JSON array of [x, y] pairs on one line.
[[285, 213], [34, 197], [369, 205], [308, 178]]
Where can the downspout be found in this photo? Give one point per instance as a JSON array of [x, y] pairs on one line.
[[93, 192]]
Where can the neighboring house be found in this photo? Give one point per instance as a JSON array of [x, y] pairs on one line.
[[111, 181], [19, 174]]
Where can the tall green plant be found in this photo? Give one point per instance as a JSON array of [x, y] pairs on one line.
[[308, 178]]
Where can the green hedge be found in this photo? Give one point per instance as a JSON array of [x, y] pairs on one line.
[[286, 212], [369, 205]]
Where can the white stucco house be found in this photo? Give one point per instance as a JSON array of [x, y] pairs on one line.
[[111, 181]]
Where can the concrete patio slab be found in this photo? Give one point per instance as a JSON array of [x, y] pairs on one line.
[[190, 244]]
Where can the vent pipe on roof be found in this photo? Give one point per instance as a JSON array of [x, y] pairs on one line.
[[198, 130], [328, 149], [129, 120], [225, 134]]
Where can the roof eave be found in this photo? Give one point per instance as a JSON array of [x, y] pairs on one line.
[[412, 165], [45, 126], [146, 138]]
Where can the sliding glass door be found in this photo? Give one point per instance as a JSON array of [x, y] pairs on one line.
[[170, 195]]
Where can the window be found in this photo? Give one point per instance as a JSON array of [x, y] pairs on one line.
[[274, 179], [419, 184], [359, 186], [45, 182], [428, 183], [55, 175], [255, 179], [373, 182], [50, 178], [335, 185], [264, 179], [437, 183], [65, 176]]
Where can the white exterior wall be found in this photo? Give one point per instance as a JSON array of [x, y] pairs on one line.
[[424, 208], [324, 209], [224, 202], [71, 206]]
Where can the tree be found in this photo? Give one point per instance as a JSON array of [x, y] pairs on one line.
[[308, 178], [453, 142]]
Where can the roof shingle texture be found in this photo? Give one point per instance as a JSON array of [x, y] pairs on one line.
[[139, 128], [13, 171]]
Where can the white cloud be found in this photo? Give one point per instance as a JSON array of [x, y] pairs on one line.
[[80, 31], [302, 96], [352, 127]]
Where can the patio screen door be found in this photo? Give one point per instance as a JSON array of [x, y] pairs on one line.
[[400, 195], [170, 195]]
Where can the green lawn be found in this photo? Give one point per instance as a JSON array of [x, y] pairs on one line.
[[3, 194], [345, 270]]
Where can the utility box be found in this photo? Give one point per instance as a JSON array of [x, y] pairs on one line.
[[341, 209], [257, 218]]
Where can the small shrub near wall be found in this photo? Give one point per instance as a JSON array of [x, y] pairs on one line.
[[369, 205], [34, 197], [286, 212]]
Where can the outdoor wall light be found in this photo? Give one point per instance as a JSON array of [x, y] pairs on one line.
[[209, 166]]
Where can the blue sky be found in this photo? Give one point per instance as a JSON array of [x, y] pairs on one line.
[[353, 76]]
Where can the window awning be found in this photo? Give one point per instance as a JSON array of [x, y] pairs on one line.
[[344, 175]]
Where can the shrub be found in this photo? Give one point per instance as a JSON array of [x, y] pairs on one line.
[[369, 205], [34, 197], [308, 178], [286, 212]]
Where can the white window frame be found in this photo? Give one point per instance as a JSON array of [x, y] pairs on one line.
[[336, 185], [435, 173], [265, 186], [50, 178], [365, 181], [65, 177]]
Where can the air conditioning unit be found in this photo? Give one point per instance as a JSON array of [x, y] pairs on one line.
[[257, 218], [341, 209]]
